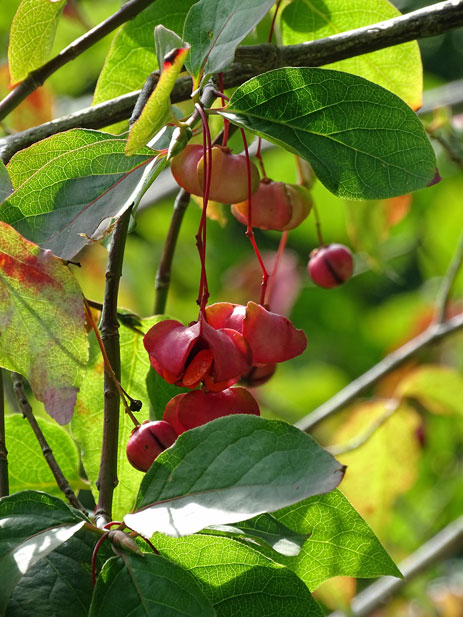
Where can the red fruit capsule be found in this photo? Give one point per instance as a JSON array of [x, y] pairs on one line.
[[330, 266], [147, 441], [184, 168]]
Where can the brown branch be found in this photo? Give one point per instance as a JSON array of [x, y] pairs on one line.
[[447, 542], [37, 77], [432, 334], [4, 484], [109, 328], [26, 411], [252, 60]]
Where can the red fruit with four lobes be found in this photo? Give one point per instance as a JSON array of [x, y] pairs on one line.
[[330, 266], [276, 205], [192, 409], [184, 168], [147, 441]]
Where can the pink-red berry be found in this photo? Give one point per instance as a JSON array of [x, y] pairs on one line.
[[330, 266], [147, 441]]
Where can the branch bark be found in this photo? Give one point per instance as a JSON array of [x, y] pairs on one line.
[[434, 333], [109, 328], [36, 78], [26, 411], [252, 60], [446, 542], [4, 483]]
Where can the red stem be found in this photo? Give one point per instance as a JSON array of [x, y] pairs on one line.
[[249, 231], [101, 539], [272, 27], [203, 294], [276, 263], [226, 123]]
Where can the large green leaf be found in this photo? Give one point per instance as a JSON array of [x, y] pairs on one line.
[[132, 51], [228, 470], [64, 188], [31, 35], [238, 579], [60, 579], [362, 141], [87, 423], [42, 322], [27, 467], [340, 544], [33, 524], [396, 68], [214, 28], [147, 585]]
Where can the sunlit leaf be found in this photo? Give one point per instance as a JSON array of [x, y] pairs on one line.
[[6, 187], [397, 68], [165, 41], [42, 322], [337, 592], [362, 141], [27, 467], [268, 465], [238, 579], [87, 424], [150, 585], [438, 388], [33, 524], [214, 28], [64, 188], [385, 466], [31, 35], [157, 109]]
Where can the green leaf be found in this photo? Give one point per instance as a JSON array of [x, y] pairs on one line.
[[31, 36], [87, 423], [157, 109], [42, 322], [362, 141], [5, 183], [238, 579], [215, 28], [27, 467], [438, 388], [33, 525], [147, 585], [64, 188], [132, 52], [266, 528], [160, 392], [60, 579], [227, 470], [165, 41], [396, 68], [340, 544]]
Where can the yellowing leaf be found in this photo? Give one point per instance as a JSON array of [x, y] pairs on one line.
[[42, 328], [396, 68], [385, 466], [31, 35], [337, 592], [438, 388], [156, 111]]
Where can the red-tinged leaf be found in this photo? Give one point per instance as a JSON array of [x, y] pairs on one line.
[[42, 328], [156, 111], [31, 36]]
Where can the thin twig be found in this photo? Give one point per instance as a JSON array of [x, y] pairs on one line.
[[391, 407], [447, 542], [109, 328], [37, 77], [252, 60], [26, 411], [4, 484], [447, 283], [432, 334]]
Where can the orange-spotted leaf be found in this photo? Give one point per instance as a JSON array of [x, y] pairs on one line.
[[438, 388], [42, 325], [156, 111], [31, 36]]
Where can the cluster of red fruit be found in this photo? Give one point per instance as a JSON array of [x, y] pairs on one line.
[[229, 342]]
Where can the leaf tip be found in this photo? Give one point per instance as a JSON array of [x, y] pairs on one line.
[[436, 179]]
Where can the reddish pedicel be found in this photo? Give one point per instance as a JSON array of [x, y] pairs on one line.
[[330, 266], [147, 441]]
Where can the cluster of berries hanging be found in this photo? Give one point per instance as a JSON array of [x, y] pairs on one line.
[[228, 342]]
